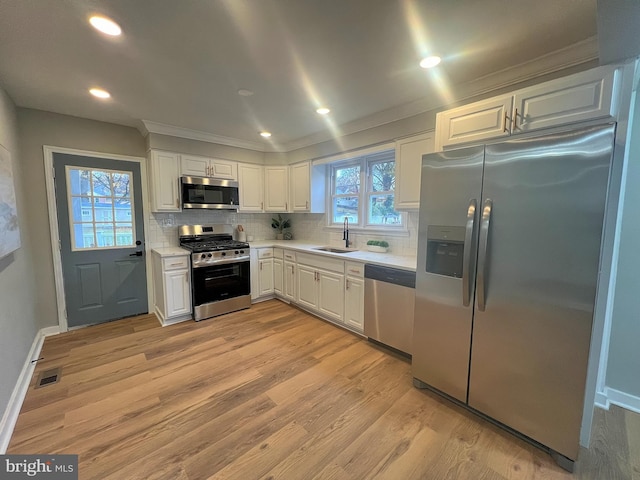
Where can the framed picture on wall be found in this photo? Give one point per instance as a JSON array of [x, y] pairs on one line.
[[9, 229]]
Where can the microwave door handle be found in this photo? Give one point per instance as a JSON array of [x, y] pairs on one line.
[[482, 258], [466, 255]]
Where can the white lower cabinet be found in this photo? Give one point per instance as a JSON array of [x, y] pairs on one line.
[[278, 280], [307, 287], [262, 279], [354, 296], [172, 288], [321, 285], [331, 295], [289, 274]]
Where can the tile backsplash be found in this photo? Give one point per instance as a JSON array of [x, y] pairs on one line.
[[163, 231]]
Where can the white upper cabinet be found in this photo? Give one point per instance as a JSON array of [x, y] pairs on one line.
[[192, 165], [307, 187], [276, 189], [584, 96], [250, 180], [409, 153], [164, 175], [478, 121]]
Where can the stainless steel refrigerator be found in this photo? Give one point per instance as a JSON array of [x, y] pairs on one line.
[[508, 260]]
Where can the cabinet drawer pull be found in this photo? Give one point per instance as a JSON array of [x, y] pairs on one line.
[[176, 265]]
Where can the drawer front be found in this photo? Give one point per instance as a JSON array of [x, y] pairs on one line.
[[278, 253], [354, 269], [291, 256], [175, 263], [265, 253]]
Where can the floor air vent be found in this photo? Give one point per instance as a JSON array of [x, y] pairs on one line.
[[49, 377]]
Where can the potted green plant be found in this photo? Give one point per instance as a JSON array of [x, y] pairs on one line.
[[380, 246], [280, 224]]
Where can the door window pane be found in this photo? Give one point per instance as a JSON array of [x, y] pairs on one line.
[[97, 200]]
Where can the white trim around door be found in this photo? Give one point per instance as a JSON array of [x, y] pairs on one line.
[[53, 220]]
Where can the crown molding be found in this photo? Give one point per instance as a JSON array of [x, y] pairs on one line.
[[149, 126], [571, 56]]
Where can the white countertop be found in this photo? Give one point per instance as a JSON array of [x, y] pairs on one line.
[[403, 262], [171, 251]]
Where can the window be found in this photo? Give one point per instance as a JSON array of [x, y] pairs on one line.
[[100, 208], [363, 190]]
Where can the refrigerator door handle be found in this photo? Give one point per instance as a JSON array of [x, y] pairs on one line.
[[482, 258], [466, 254]]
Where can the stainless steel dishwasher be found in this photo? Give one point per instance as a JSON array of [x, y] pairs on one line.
[[389, 294]]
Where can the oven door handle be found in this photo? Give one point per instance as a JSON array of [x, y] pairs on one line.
[[244, 259]]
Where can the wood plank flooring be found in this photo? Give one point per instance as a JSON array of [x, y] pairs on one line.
[[273, 393]]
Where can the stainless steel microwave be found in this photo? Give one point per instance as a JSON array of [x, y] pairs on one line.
[[213, 193]]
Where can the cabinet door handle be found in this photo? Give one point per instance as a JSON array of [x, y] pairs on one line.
[[515, 121], [286, 206], [186, 277], [306, 203], [260, 265], [505, 122], [347, 284]]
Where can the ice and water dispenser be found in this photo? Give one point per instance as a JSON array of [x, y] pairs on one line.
[[445, 247]]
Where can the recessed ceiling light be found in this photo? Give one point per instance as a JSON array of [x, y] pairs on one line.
[[265, 134], [100, 93], [105, 25], [245, 93], [430, 62], [323, 110]]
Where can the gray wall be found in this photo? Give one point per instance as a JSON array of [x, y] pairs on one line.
[[35, 129], [623, 367], [18, 318], [618, 22]]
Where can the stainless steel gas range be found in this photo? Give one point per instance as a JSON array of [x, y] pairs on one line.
[[220, 270]]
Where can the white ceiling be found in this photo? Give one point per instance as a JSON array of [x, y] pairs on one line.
[[181, 62]]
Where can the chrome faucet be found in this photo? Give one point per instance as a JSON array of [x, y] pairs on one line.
[[345, 232]]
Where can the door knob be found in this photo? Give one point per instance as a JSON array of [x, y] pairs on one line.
[[136, 254]]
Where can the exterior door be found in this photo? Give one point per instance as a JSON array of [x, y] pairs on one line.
[[101, 227]]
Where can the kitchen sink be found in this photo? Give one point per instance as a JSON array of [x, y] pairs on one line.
[[335, 249]]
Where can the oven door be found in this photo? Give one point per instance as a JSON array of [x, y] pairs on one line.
[[218, 282], [209, 193]]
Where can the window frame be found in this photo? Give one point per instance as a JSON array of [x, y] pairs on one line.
[[365, 192]]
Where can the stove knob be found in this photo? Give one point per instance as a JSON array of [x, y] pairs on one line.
[[241, 251], [237, 252], [209, 255], [202, 256], [223, 253]]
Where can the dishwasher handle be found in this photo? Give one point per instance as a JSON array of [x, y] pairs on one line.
[[394, 276]]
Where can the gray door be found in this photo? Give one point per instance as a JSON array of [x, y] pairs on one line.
[[101, 227], [535, 296], [447, 243]]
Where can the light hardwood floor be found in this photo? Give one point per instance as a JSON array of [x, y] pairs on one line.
[[273, 393]]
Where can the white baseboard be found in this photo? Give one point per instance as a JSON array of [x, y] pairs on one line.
[[624, 400], [12, 411]]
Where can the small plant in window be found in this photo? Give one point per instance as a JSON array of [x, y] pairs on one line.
[[280, 224]]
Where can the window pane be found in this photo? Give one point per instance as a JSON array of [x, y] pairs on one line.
[[81, 209], [124, 234], [347, 180], [105, 234], [123, 209], [101, 183], [381, 211], [383, 176], [121, 184], [345, 207], [79, 182], [83, 235]]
